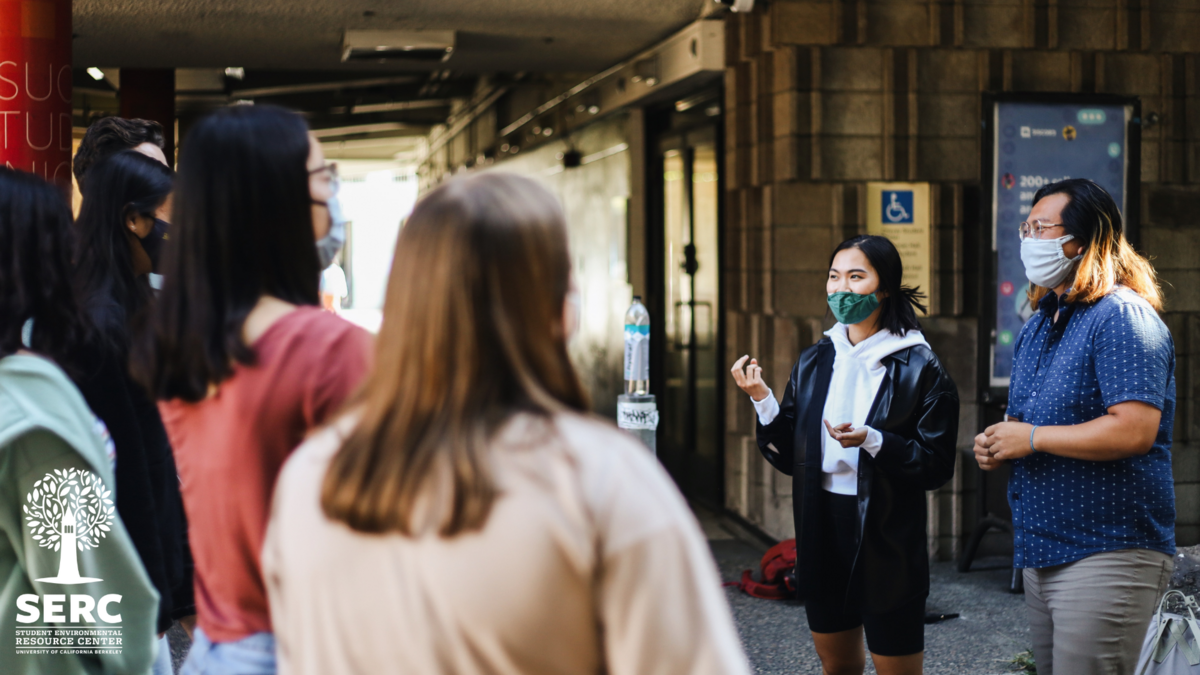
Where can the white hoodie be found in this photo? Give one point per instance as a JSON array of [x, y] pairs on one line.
[[858, 372]]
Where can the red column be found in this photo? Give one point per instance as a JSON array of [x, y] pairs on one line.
[[35, 87], [149, 94]]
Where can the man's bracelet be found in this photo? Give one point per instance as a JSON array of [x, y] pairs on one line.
[[1031, 448]]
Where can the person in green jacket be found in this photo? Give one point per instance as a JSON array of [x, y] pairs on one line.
[[74, 597]]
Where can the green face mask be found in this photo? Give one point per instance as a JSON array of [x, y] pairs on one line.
[[850, 308]]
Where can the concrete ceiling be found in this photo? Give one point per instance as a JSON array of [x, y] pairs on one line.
[[493, 35]]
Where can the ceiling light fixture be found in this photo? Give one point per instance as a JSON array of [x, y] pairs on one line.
[[686, 104], [646, 71], [235, 73], [393, 45], [738, 5], [589, 103], [96, 73]]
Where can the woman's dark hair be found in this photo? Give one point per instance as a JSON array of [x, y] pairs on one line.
[[35, 268], [1092, 217], [899, 302], [242, 214], [120, 185], [108, 135]]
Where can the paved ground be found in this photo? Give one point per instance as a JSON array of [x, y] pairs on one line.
[[990, 632]]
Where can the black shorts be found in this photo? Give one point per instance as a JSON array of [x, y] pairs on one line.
[[898, 632]]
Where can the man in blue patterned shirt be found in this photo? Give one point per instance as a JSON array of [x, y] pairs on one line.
[[1088, 432]]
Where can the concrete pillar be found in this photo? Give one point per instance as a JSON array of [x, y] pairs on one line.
[[149, 94], [35, 87]]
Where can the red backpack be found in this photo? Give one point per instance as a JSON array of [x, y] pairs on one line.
[[778, 575]]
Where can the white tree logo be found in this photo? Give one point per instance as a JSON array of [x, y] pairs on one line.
[[69, 511]]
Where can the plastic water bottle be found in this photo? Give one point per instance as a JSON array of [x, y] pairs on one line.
[[637, 349], [637, 412]]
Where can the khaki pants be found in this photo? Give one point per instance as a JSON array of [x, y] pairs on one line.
[[1090, 617]]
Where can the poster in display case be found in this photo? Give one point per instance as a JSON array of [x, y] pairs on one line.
[[1035, 140]]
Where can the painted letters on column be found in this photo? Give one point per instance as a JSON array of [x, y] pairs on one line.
[[35, 87]]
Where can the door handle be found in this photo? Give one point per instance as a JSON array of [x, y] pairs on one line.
[[690, 264]]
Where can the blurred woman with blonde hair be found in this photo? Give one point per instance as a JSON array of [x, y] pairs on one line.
[[468, 516]]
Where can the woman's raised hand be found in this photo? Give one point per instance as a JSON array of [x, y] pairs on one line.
[[749, 378]]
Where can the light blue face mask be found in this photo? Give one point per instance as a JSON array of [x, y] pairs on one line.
[[1046, 264], [331, 244]]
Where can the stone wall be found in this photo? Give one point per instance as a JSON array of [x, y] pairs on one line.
[[825, 95]]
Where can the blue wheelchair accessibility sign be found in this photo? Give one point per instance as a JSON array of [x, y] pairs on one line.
[[897, 207]]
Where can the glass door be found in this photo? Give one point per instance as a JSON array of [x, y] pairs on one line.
[[690, 442]]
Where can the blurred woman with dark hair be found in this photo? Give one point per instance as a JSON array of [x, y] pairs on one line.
[[468, 516], [116, 232], [1090, 413], [47, 430], [112, 255], [241, 356], [874, 409]]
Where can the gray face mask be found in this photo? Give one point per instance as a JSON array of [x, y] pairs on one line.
[[1045, 263], [331, 244]]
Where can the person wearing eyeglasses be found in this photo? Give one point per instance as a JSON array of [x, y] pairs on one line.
[[240, 355], [329, 225], [1088, 435]]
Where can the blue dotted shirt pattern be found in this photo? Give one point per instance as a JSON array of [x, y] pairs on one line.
[[1070, 372]]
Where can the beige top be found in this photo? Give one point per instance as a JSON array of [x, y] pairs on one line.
[[590, 563]]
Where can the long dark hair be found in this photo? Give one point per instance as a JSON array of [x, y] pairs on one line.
[[242, 214], [472, 333], [120, 185], [35, 268], [1094, 219], [900, 302]]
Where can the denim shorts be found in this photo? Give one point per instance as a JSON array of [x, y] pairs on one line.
[[252, 655]]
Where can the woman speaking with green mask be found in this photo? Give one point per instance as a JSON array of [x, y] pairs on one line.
[[871, 407]]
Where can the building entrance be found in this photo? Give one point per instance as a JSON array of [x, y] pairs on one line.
[[687, 218]]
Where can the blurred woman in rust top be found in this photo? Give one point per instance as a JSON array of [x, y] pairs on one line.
[[469, 517], [241, 356]]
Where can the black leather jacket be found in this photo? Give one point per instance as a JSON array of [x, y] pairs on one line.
[[916, 411]]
